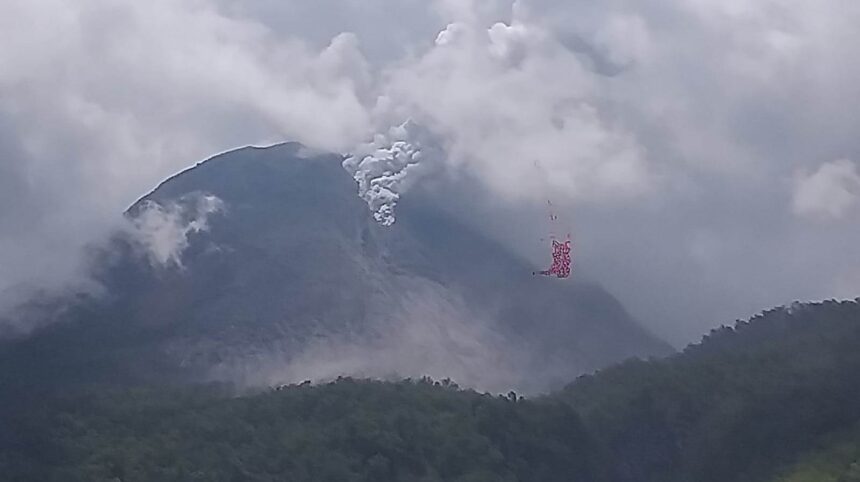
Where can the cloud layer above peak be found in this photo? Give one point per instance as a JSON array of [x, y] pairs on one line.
[[682, 136]]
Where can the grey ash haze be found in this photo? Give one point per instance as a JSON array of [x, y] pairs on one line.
[[705, 153], [261, 266]]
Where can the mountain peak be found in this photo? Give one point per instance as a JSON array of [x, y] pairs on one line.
[[293, 279]]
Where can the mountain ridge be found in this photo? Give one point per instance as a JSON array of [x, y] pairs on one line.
[[294, 280]]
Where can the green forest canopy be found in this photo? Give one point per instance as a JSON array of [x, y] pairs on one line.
[[771, 399]]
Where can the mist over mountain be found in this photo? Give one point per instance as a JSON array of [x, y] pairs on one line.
[[262, 266], [365, 302]]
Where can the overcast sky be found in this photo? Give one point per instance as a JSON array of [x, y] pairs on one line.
[[705, 153]]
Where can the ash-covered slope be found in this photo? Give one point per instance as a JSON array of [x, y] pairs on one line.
[[294, 280]]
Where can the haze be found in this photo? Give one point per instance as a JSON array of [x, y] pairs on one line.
[[704, 153]]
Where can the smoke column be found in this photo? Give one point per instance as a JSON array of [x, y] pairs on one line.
[[384, 167]]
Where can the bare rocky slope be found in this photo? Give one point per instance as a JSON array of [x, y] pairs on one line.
[[294, 280]]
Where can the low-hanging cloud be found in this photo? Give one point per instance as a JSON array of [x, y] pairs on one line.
[[99, 102], [161, 233], [669, 133], [829, 192], [426, 330]]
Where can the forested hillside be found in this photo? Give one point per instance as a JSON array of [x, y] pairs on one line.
[[344, 431], [774, 399], [740, 406]]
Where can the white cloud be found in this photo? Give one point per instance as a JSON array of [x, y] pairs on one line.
[[162, 232], [508, 95], [829, 192], [652, 120], [100, 101]]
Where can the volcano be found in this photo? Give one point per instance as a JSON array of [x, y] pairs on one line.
[[291, 279]]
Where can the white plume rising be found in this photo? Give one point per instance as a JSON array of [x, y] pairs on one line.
[[381, 167]]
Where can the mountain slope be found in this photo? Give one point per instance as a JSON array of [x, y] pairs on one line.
[[293, 280]]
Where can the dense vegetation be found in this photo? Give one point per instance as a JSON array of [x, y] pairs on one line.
[[740, 406], [344, 431], [775, 399]]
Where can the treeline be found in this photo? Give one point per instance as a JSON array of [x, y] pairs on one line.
[[744, 405], [349, 430], [775, 399]]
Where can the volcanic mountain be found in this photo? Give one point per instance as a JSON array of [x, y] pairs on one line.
[[263, 266]]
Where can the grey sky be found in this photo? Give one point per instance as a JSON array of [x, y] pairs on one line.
[[706, 151]]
